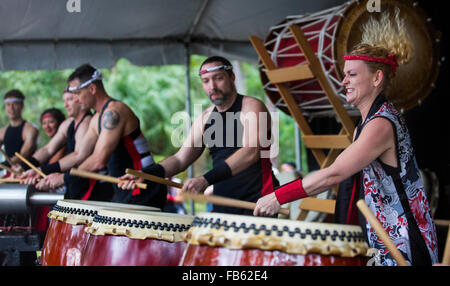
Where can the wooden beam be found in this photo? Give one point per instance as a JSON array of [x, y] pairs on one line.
[[302, 215], [318, 72], [318, 205], [442, 222], [446, 256], [282, 75], [286, 95], [326, 141], [332, 155]]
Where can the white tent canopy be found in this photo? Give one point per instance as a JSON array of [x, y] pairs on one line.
[[62, 34], [51, 34]]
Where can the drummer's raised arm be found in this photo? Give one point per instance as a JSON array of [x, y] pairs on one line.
[[113, 124], [191, 149], [56, 142]]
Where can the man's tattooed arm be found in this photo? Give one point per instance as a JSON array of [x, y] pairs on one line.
[[110, 119]]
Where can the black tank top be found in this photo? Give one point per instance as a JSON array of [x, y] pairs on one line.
[[80, 188], [70, 146], [13, 139], [132, 153], [250, 184]]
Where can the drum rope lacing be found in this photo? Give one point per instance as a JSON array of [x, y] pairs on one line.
[[315, 234], [328, 30], [141, 223], [75, 211]]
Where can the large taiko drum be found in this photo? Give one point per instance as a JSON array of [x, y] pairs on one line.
[[217, 239], [332, 34], [65, 239], [135, 238]]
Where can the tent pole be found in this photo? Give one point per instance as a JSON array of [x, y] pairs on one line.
[[298, 148], [188, 108], [187, 50]]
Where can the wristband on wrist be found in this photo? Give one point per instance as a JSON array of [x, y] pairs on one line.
[[67, 177], [290, 192], [219, 173], [33, 161], [155, 169], [51, 168]]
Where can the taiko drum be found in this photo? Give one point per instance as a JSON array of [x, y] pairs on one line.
[[66, 237], [232, 240], [135, 238]]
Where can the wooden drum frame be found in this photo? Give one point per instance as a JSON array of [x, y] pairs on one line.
[[333, 33]]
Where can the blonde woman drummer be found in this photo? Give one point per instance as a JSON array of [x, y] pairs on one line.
[[380, 160]]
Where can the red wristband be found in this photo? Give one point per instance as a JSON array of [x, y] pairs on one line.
[[290, 192]]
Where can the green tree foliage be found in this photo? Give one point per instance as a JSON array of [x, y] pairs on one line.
[[154, 94], [42, 90]]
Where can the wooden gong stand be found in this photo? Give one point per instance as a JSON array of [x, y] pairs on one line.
[[312, 69]]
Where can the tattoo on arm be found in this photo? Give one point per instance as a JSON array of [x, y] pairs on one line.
[[111, 119]]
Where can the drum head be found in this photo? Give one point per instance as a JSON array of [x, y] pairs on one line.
[[83, 212], [140, 224], [414, 80], [295, 237]]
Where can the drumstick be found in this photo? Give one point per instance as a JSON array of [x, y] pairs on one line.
[[217, 200], [43, 175], [6, 157], [381, 232], [96, 176], [10, 180], [223, 201], [30, 165], [153, 178]]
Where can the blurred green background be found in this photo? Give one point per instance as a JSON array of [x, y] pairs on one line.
[[154, 93]]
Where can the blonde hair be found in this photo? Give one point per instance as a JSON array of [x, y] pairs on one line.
[[383, 37]]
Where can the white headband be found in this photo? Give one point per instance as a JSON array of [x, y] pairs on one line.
[[97, 75], [225, 67], [12, 99]]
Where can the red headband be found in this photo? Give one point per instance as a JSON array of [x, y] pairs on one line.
[[391, 60], [46, 115]]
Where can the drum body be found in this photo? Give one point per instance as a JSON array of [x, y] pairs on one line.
[[333, 33], [320, 30], [63, 244], [232, 240], [66, 237], [135, 238]]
